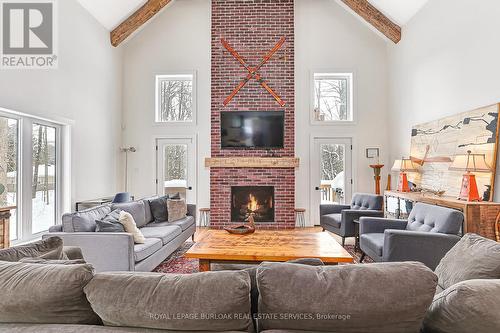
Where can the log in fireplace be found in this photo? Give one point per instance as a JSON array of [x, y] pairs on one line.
[[252, 200]]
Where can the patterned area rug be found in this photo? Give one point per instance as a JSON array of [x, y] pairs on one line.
[[178, 264]]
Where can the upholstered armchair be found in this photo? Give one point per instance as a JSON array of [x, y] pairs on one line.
[[428, 234], [339, 219]]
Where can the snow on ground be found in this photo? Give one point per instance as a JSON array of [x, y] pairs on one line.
[[43, 215]]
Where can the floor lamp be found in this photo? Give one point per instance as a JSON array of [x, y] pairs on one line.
[[127, 150]]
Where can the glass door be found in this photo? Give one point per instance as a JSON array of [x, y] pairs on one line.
[[331, 173], [29, 163], [44, 180], [9, 155], [176, 170]]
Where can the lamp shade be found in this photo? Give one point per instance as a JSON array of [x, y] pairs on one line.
[[470, 162], [404, 165]]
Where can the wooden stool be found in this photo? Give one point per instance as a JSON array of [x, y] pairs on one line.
[[300, 217], [204, 217]]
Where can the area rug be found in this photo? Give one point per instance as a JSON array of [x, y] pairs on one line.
[[177, 263]]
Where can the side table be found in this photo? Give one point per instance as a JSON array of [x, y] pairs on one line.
[[356, 236]]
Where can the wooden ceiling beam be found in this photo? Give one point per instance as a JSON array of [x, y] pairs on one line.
[[376, 18], [136, 20]]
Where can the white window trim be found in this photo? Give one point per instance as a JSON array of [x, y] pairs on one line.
[[164, 75], [351, 97], [62, 172]]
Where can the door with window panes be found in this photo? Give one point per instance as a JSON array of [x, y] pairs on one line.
[[176, 169], [331, 172], [29, 150]]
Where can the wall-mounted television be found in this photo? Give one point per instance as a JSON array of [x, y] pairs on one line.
[[252, 129]]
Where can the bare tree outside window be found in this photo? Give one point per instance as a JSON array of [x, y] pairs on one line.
[[332, 171], [174, 98], [332, 161], [175, 162], [8, 161], [175, 169], [332, 97]]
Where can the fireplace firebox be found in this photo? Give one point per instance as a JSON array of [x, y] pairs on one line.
[[252, 200]]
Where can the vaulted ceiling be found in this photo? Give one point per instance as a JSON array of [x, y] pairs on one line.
[[123, 17]]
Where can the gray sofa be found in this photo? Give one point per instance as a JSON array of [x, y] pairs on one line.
[[64, 296], [428, 234], [339, 219], [116, 251], [217, 301]]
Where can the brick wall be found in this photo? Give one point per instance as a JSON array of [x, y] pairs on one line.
[[252, 28]]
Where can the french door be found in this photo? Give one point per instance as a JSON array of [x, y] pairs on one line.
[[176, 167], [331, 173], [29, 174]]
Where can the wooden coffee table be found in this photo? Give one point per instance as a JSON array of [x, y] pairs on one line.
[[218, 246]]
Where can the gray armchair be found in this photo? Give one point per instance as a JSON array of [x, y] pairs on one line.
[[339, 219], [430, 232]]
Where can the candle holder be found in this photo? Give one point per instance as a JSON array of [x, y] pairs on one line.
[[377, 168]]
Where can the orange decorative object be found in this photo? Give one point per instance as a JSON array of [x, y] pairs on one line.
[[377, 169], [404, 165], [403, 182], [253, 71], [389, 179], [469, 190], [470, 163]]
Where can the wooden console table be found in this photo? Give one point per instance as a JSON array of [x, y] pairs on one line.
[[480, 217], [4, 226]]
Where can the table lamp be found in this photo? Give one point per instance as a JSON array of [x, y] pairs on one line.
[[469, 163], [403, 166]]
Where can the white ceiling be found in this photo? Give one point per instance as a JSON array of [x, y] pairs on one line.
[[110, 13], [399, 11]]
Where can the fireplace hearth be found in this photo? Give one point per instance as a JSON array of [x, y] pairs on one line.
[[252, 200]]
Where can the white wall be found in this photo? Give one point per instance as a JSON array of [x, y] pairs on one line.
[[330, 38], [447, 62], [86, 91], [177, 40], [327, 37]]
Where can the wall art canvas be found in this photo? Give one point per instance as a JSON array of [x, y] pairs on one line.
[[437, 142]]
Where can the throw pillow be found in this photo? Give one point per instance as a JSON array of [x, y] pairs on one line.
[[52, 262], [50, 248], [129, 225], [136, 209], [468, 306], [159, 209], [254, 292], [45, 294], [110, 223], [473, 257], [177, 209], [126, 299], [334, 289]]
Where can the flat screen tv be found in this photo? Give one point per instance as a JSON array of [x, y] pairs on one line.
[[252, 129]]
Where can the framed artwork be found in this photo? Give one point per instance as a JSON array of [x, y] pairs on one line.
[[435, 144], [372, 152]]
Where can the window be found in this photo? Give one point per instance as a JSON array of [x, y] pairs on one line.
[[175, 100], [9, 168], [29, 150], [332, 97]]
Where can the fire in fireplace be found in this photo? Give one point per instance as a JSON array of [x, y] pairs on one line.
[[252, 200]]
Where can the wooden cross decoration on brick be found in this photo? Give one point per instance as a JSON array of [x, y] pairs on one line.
[[253, 71]]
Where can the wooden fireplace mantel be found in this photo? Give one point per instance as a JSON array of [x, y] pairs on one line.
[[252, 162]]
